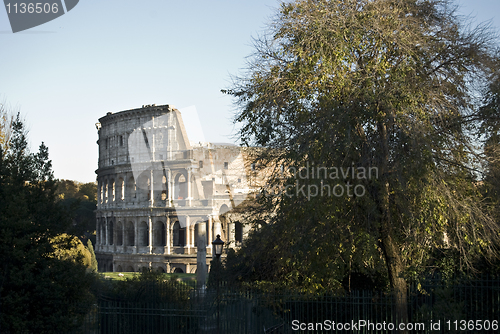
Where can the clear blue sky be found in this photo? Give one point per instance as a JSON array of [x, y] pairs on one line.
[[116, 55]]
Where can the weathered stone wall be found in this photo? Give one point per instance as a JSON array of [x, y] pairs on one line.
[[154, 189]]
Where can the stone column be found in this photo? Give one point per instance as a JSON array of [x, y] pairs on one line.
[[201, 257], [151, 190], [167, 238], [150, 235], [188, 235], [136, 236], [210, 234], [106, 226], [170, 190], [189, 185], [98, 234]]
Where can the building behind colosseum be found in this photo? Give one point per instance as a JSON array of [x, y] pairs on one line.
[[156, 191]]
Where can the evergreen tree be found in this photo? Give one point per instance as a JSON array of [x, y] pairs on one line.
[[93, 260], [40, 292]]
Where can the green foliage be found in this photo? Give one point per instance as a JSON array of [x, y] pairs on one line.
[[44, 286], [390, 85], [148, 287], [80, 200], [67, 247], [93, 260]]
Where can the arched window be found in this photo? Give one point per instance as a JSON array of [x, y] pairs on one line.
[[159, 234], [180, 186], [119, 235], [120, 191], [110, 226], [130, 234], [111, 191], [143, 234], [103, 233], [179, 235], [130, 189], [164, 188]]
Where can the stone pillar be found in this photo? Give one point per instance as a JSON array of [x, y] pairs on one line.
[[98, 234], [210, 234], [107, 231], [230, 232], [136, 236], [99, 201], [167, 238], [151, 189], [189, 185], [188, 235], [201, 257], [115, 233], [170, 190], [150, 235]]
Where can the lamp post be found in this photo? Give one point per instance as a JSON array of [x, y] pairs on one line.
[[217, 246]]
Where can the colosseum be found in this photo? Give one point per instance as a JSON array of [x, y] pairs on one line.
[[160, 195]]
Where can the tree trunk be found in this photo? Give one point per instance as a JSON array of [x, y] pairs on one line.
[[388, 245]]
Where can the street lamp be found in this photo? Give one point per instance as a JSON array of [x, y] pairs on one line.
[[217, 245]]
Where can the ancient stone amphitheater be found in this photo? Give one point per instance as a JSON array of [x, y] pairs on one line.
[[159, 194]]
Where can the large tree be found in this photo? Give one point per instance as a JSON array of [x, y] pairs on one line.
[[44, 285], [381, 84]]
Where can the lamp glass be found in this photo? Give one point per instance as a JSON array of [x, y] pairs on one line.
[[218, 249]]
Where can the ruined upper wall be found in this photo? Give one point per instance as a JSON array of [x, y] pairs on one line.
[[114, 132]]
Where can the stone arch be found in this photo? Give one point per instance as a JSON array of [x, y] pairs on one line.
[[143, 234], [130, 269], [120, 190], [99, 192], [130, 189], [180, 185], [144, 186], [159, 234], [178, 271], [119, 234], [105, 191], [222, 210], [179, 235], [164, 188], [130, 234], [160, 269], [111, 190], [103, 233], [110, 231], [119, 268]]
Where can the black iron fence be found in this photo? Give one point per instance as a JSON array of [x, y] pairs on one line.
[[468, 306]]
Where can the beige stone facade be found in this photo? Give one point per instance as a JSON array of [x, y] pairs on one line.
[[155, 188]]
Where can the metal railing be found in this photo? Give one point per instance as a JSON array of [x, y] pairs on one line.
[[248, 311]]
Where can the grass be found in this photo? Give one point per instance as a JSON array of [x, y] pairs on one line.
[[114, 276]]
